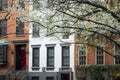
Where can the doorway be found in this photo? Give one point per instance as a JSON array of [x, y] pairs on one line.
[[65, 77], [20, 57]]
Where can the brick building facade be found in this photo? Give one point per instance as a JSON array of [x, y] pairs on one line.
[[13, 42]]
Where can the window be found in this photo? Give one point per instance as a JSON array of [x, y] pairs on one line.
[[3, 54], [36, 4], [3, 28], [117, 55], [35, 78], [36, 30], [82, 55], [21, 3], [19, 27], [66, 33], [50, 32], [35, 57], [49, 78], [3, 5], [50, 56], [99, 55], [65, 56]]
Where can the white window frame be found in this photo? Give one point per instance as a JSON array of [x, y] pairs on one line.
[[82, 55], [35, 46], [115, 54], [96, 56]]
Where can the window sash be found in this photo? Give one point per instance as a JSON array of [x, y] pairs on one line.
[[99, 55], [35, 57], [3, 28], [65, 56], [3, 54], [117, 53], [82, 55], [49, 78], [66, 33], [3, 4], [36, 30], [19, 27], [35, 78], [50, 56]]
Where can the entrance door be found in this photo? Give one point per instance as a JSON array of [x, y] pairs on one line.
[[20, 57], [65, 77]]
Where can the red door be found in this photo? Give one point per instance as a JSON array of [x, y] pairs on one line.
[[23, 58]]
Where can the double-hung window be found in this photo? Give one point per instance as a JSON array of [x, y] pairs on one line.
[[99, 55], [35, 57], [65, 33], [3, 5], [36, 30], [19, 27], [50, 56], [82, 55], [3, 28], [3, 54], [65, 56], [117, 55]]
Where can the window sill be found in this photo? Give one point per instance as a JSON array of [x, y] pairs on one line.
[[3, 11], [3, 36], [65, 68], [20, 35], [2, 63], [35, 36], [35, 68], [50, 68]]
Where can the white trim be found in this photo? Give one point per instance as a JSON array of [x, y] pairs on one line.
[[34, 46], [85, 55]]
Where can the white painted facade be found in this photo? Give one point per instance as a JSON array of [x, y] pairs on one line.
[[42, 42]]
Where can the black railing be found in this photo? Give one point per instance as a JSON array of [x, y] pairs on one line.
[[11, 74]]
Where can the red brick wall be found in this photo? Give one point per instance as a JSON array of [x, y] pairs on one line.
[[11, 30]]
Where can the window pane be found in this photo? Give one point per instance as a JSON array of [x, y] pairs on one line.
[[3, 27], [36, 61], [19, 27], [99, 55], [21, 3], [65, 55], [35, 56], [66, 33], [49, 78], [3, 5], [36, 52], [36, 30], [50, 56], [35, 78], [82, 55], [1, 53], [117, 54]]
